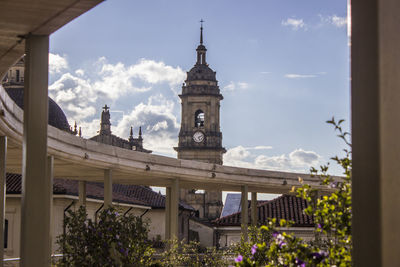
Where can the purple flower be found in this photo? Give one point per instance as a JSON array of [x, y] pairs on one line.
[[316, 256], [281, 244], [254, 249], [239, 258], [300, 263], [324, 253], [275, 234]]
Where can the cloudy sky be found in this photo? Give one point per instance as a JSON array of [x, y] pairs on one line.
[[282, 66]]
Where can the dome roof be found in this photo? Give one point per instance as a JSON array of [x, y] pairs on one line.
[[57, 117], [201, 72]]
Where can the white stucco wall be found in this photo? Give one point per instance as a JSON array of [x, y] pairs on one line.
[[206, 233]]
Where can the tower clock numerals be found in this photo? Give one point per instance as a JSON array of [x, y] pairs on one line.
[[198, 137]]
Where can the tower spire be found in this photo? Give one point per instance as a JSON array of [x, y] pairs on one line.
[[140, 132], [201, 49], [201, 31]]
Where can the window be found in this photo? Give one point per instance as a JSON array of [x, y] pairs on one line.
[[17, 75], [199, 118]]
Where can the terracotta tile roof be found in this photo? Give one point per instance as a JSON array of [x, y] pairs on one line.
[[286, 207], [129, 194], [145, 193]]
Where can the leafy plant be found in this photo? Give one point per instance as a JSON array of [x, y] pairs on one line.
[[178, 253], [332, 216], [114, 240]]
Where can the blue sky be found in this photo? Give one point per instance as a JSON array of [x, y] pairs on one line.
[[282, 66]]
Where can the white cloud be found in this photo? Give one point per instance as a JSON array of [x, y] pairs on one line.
[[339, 21], [265, 72], [75, 95], [297, 160], [334, 20], [159, 124], [299, 76], [260, 147], [237, 153], [295, 24], [118, 79], [57, 63], [81, 93], [234, 86], [80, 72]]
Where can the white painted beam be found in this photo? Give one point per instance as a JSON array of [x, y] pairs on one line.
[[107, 189], [36, 184], [245, 211], [3, 156]]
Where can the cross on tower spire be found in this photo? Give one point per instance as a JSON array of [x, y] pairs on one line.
[[106, 108]]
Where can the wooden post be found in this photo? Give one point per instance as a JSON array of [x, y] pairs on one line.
[[36, 184], [245, 211], [107, 189], [3, 178], [254, 210]]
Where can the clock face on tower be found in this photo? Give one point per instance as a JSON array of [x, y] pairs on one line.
[[198, 137]]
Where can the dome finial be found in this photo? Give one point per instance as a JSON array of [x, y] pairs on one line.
[[201, 31]]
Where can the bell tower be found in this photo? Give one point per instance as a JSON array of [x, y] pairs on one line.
[[200, 136]]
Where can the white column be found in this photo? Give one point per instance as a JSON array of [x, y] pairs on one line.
[[36, 184], [167, 213], [82, 193], [254, 210], [3, 156], [107, 189], [174, 210], [245, 211], [50, 164]]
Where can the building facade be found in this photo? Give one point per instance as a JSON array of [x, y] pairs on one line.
[[200, 136]]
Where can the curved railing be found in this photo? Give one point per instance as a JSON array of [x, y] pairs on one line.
[[79, 158]]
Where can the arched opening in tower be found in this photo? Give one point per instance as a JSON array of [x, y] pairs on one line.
[[199, 118]]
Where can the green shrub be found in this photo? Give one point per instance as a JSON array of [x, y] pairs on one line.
[[178, 253], [332, 216], [114, 240]]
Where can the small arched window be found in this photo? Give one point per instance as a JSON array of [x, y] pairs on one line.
[[199, 118]]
